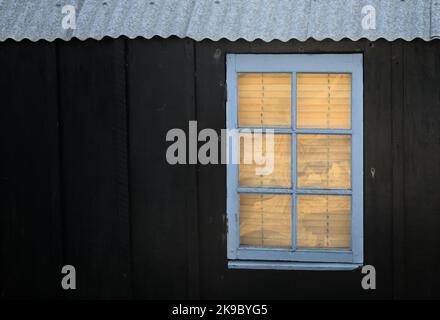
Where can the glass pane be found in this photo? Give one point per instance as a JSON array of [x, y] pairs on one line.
[[324, 161], [265, 220], [264, 100], [324, 221], [265, 160], [323, 100]]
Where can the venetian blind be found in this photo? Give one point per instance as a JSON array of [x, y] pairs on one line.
[[323, 100], [324, 221], [264, 100], [265, 220], [323, 161], [280, 175]]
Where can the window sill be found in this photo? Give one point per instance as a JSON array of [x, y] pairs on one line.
[[303, 266]]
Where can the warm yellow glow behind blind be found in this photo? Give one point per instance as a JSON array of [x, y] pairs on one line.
[[323, 100], [265, 220], [324, 161], [324, 221], [264, 100], [280, 177]]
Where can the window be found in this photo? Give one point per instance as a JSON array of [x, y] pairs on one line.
[[307, 212]]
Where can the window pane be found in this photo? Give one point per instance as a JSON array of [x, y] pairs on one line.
[[264, 100], [324, 221], [324, 161], [276, 169], [323, 100], [265, 220]]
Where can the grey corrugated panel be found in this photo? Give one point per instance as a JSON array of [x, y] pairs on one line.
[[435, 19], [216, 19]]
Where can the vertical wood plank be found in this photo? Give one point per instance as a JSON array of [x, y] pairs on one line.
[[211, 113], [94, 166], [397, 106], [30, 219], [163, 196], [422, 171], [193, 193], [378, 159]]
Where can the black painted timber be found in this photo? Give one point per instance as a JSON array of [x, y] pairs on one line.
[[84, 178]]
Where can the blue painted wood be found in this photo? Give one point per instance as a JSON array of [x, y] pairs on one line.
[[232, 202], [260, 130], [293, 164], [295, 63], [300, 266], [357, 158], [310, 63], [279, 254], [323, 131], [324, 191], [264, 190]]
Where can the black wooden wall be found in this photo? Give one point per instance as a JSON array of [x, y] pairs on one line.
[[84, 180]]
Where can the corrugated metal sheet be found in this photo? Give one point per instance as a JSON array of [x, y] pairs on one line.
[[216, 19]]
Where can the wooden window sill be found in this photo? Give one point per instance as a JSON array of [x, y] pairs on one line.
[[283, 265]]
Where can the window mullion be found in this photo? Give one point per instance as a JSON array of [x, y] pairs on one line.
[[293, 164], [324, 191], [264, 190]]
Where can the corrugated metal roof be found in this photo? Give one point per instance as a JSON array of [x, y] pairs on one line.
[[216, 19]]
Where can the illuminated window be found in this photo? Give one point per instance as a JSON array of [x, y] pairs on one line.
[[303, 114]]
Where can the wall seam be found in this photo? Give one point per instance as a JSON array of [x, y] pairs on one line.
[[61, 182]]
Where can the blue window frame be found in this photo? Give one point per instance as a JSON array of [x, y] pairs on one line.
[[295, 257]]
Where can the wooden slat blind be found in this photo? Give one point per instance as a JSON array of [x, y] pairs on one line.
[[323, 100], [324, 161], [324, 221], [281, 174], [264, 100], [265, 220]]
